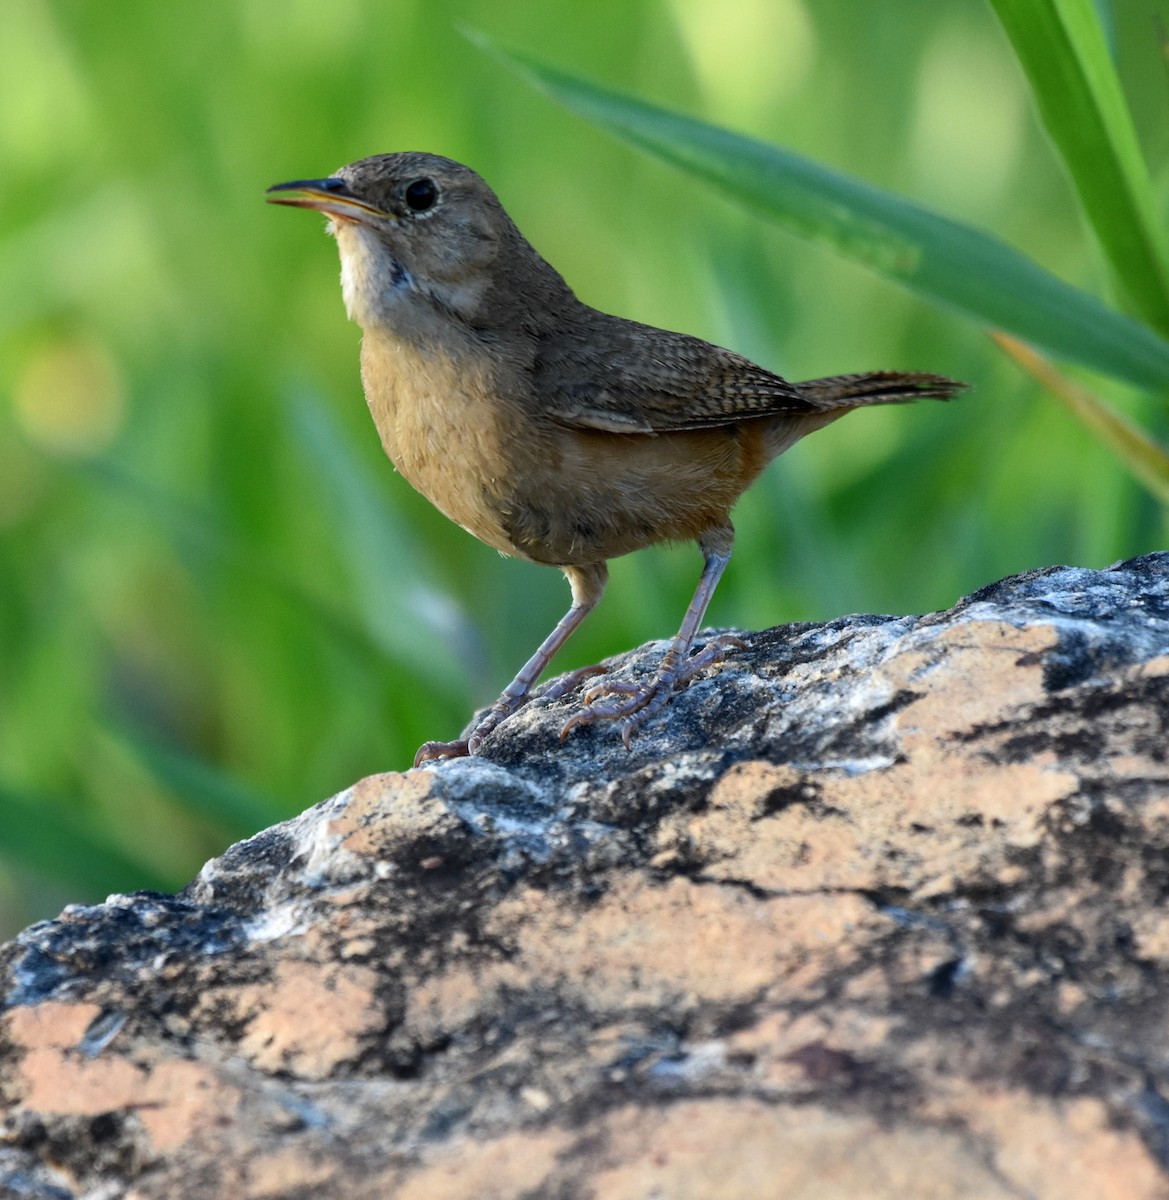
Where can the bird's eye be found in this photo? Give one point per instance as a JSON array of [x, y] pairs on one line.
[[421, 194]]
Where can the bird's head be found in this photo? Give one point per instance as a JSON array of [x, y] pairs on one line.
[[415, 228]]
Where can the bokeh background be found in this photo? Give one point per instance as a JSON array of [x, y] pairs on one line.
[[218, 604]]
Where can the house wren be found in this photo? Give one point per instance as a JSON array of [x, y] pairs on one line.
[[550, 430]]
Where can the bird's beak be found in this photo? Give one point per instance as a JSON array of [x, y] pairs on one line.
[[330, 196]]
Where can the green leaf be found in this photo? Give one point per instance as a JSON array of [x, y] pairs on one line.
[[946, 261], [1063, 50]]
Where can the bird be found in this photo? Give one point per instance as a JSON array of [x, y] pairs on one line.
[[546, 428]]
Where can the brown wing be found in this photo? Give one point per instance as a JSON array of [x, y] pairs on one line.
[[621, 377]]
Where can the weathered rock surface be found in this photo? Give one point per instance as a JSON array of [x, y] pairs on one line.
[[876, 910]]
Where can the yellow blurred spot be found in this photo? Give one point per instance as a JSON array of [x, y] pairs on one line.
[[749, 55], [70, 399]]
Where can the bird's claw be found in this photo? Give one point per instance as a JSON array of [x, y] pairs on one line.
[[638, 702], [712, 652], [612, 688], [643, 701], [462, 747], [500, 711], [468, 745], [432, 751], [570, 682]]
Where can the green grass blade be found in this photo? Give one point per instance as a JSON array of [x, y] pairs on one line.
[[44, 836], [1064, 52], [1146, 459], [948, 262], [202, 789], [201, 533], [417, 623]]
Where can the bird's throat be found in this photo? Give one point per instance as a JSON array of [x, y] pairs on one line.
[[374, 284]]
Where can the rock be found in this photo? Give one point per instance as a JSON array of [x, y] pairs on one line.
[[876, 908]]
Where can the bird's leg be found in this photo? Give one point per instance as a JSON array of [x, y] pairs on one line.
[[639, 702], [588, 585]]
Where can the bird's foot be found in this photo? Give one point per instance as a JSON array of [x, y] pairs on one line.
[[465, 746], [569, 682], [641, 701], [432, 751], [503, 708]]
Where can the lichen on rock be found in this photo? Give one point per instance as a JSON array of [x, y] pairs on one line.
[[875, 908]]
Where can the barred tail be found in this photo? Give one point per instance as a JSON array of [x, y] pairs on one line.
[[878, 387]]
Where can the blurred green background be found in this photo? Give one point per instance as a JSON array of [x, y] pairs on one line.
[[218, 604]]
